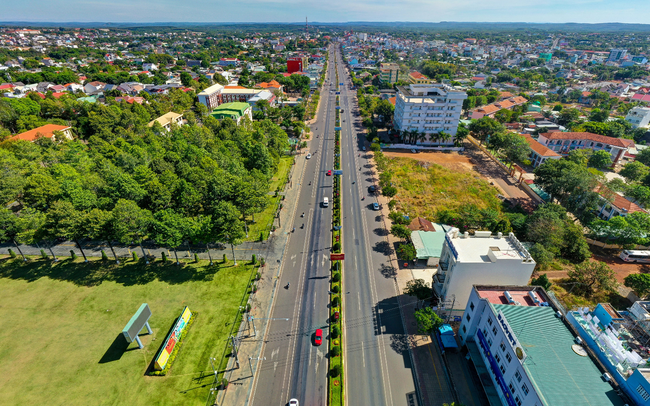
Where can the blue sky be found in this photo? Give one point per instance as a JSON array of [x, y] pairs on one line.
[[582, 11]]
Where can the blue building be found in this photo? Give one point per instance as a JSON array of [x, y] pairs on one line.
[[619, 339]]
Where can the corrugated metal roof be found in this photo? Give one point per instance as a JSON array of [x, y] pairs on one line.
[[560, 376], [428, 244]]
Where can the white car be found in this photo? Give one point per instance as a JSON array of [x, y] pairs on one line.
[[308, 156], [293, 402]]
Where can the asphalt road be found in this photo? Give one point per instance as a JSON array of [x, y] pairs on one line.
[[294, 366], [378, 365]]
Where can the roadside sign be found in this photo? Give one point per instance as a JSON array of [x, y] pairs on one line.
[[337, 257], [338, 107], [341, 83], [337, 128], [337, 172], [338, 92]]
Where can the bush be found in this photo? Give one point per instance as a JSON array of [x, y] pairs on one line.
[[12, 254], [164, 257], [336, 331], [248, 307], [73, 255], [104, 256], [335, 351], [196, 257], [336, 247], [336, 277], [254, 259], [224, 383], [335, 301], [335, 371], [44, 255], [541, 281], [225, 259], [253, 288], [258, 276], [336, 289], [135, 256], [392, 204], [389, 191], [262, 261]]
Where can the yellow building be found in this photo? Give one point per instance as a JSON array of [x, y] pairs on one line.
[[418, 78]]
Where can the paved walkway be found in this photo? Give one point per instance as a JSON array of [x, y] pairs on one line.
[[251, 334]]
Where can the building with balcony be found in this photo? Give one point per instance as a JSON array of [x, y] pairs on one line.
[[565, 142], [539, 153], [168, 120], [620, 341], [211, 96], [418, 78], [389, 73], [482, 258], [525, 354], [429, 109], [613, 204], [639, 117]]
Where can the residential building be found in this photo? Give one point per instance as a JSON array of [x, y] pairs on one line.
[[482, 258], [616, 55], [491, 109], [514, 336], [229, 62], [231, 94], [94, 87], [167, 120], [297, 64], [639, 117], [211, 96], [262, 95], [149, 66], [613, 204], [234, 110], [539, 153], [429, 109], [389, 73], [565, 142], [619, 341], [418, 78], [46, 131]]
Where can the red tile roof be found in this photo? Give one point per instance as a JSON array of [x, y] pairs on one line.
[[539, 149], [392, 100], [617, 142], [417, 75], [46, 131], [617, 200]]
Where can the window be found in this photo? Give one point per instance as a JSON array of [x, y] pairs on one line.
[[512, 387], [471, 306], [467, 317], [494, 330], [517, 401], [508, 357], [490, 342], [502, 346], [502, 368], [490, 321], [641, 391], [518, 376], [484, 333], [497, 357], [464, 329], [524, 388]]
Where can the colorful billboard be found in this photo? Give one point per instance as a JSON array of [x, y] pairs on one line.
[[172, 339]]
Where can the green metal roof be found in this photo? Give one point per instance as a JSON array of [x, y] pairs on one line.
[[560, 376], [428, 244]]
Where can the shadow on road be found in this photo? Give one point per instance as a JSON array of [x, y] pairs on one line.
[[384, 248], [382, 232], [388, 271]]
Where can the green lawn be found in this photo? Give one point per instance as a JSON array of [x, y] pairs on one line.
[[61, 338]]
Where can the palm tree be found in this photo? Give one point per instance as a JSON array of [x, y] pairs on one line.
[[422, 137], [443, 137]]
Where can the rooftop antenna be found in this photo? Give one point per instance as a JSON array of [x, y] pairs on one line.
[[306, 26]]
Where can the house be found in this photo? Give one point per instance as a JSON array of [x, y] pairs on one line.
[[639, 117], [44, 131], [491, 109], [167, 120], [613, 204], [130, 99], [149, 66], [262, 95], [539, 153], [524, 352], [482, 258], [565, 142], [418, 78], [640, 97], [235, 111], [619, 339], [272, 85], [229, 62], [428, 244], [94, 87]]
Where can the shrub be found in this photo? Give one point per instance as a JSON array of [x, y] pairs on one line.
[[392, 204], [196, 257], [336, 289], [135, 256], [43, 254], [248, 307], [254, 259], [335, 371], [12, 254], [335, 301], [336, 247], [335, 351], [73, 255], [224, 383], [258, 276], [336, 331], [389, 191], [336, 277], [541, 281], [104, 256], [253, 288], [262, 261], [225, 259], [164, 257]]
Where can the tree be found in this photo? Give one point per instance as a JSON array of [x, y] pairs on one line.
[[643, 156], [400, 231], [418, 288], [580, 156], [542, 281], [63, 220], [628, 231], [599, 115], [567, 117], [427, 320], [639, 282], [543, 257], [389, 191], [634, 171], [593, 275], [130, 223], [9, 228], [406, 252], [226, 225], [385, 109], [169, 229], [97, 226], [600, 160], [484, 127]]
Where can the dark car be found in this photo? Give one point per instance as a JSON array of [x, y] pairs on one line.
[[372, 189]]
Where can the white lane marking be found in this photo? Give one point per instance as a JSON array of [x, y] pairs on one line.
[[363, 356], [275, 353], [275, 366], [359, 300]]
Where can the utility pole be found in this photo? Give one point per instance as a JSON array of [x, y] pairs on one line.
[[250, 362]]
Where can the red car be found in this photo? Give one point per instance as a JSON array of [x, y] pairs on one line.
[[329, 173], [318, 340]]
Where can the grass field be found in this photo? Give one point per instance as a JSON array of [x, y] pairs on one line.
[[61, 341], [423, 189], [264, 220]]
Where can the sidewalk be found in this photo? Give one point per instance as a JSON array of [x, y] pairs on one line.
[[250, 345]]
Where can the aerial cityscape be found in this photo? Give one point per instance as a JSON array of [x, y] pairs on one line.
[[341, 204]]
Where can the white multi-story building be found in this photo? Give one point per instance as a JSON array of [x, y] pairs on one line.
[[429, 109], [211, 96], [639, 117], [483, 258], [514, 335]]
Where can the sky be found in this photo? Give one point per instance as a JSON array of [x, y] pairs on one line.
[[287, 11]]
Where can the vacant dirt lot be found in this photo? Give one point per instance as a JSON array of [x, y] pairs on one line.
[[448, 160], [622, 269]]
